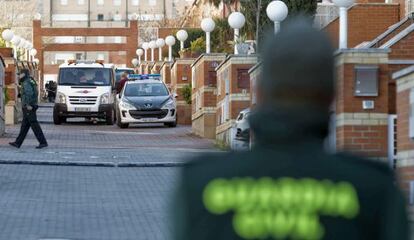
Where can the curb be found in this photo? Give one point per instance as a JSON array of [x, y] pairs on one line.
[[93, 164]]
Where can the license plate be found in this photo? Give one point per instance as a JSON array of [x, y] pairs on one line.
[[82, 109], [149, 119]]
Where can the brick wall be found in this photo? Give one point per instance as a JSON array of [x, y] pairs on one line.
[[365, 22], [362, 131], [403, 49]]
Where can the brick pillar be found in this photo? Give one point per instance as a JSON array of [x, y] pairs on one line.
[[405, 125], [165, 71], [181, 76], [359, 129], [12, 108], [233, 93], [156, 68], [204, 87], [132, 41]]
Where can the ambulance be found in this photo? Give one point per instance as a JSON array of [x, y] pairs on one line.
[[85, 90]]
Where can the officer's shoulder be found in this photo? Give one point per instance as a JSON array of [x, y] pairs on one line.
[[365, 164]]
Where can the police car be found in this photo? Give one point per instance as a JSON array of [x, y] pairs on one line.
[[146, 99], [85, 89]]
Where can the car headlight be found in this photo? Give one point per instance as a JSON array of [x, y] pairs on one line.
[[105, 98], [127, 105], [169, 104], [60, 98]]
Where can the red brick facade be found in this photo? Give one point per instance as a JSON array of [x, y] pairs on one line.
[[365, 22], [181, 76]]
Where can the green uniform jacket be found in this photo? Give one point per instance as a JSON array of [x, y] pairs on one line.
[[288, 188], [29, 92]]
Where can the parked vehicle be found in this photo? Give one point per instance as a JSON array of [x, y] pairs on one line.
[[85, 89], [146, 99], [242, 126]]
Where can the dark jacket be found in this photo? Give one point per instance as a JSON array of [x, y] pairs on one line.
[[288, 187], [29, 92], [121, 85]]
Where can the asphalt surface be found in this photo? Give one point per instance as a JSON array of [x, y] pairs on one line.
[[93, 181]]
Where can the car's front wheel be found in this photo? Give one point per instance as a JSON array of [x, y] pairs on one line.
[[110, 117], [57, 120], [118, 121]]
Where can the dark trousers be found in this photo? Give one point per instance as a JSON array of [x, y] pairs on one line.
[[30, 121]]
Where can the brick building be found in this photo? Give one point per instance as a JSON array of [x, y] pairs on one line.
[[233, 93], [204, 90]]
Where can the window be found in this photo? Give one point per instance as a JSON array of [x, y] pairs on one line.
[[100, 2], [366, 81], [152, 2], [81, 2], [135, 2], [212, 78], [100, 17], [63, 2], [117, 2], [243, 78], [100, 39]]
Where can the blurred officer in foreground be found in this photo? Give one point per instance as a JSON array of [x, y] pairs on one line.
[[287, 187], [29, 95]]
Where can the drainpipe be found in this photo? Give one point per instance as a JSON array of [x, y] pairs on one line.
[[89, 13]]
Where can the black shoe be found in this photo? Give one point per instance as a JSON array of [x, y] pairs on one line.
[[14, 144], [43, 145]]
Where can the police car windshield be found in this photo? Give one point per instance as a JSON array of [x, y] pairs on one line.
[[119, 73], [145, 90], [85, 77]]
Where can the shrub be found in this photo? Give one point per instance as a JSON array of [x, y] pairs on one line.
[[186, 91]]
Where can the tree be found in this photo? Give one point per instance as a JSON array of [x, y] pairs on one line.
[[227, 3], [257, 21], [18, 16]]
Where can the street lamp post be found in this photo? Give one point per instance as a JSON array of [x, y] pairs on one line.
[[33, 52], [160, 44], [208, 25], [236, 21], [153, 46], [145, 47], [343, 21], [170, 41], [139, 52], [277, 11], [7, 35], [134, 62], [182, 35], [15, 41]]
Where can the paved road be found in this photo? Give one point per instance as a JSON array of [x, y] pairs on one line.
[[61, 193]]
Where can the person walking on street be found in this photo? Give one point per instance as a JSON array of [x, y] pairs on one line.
[[288, 186], [121, 84], [29, 95]]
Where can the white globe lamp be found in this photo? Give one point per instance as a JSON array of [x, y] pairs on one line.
[[277, 11], [170, 41], [135, 62], [236, 21], [33, 52], [16, 40], [160, 44], [7, 35], [153, 46], [182, 36], [36, 60], [343, 21], [208, 25], [139, 52]]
